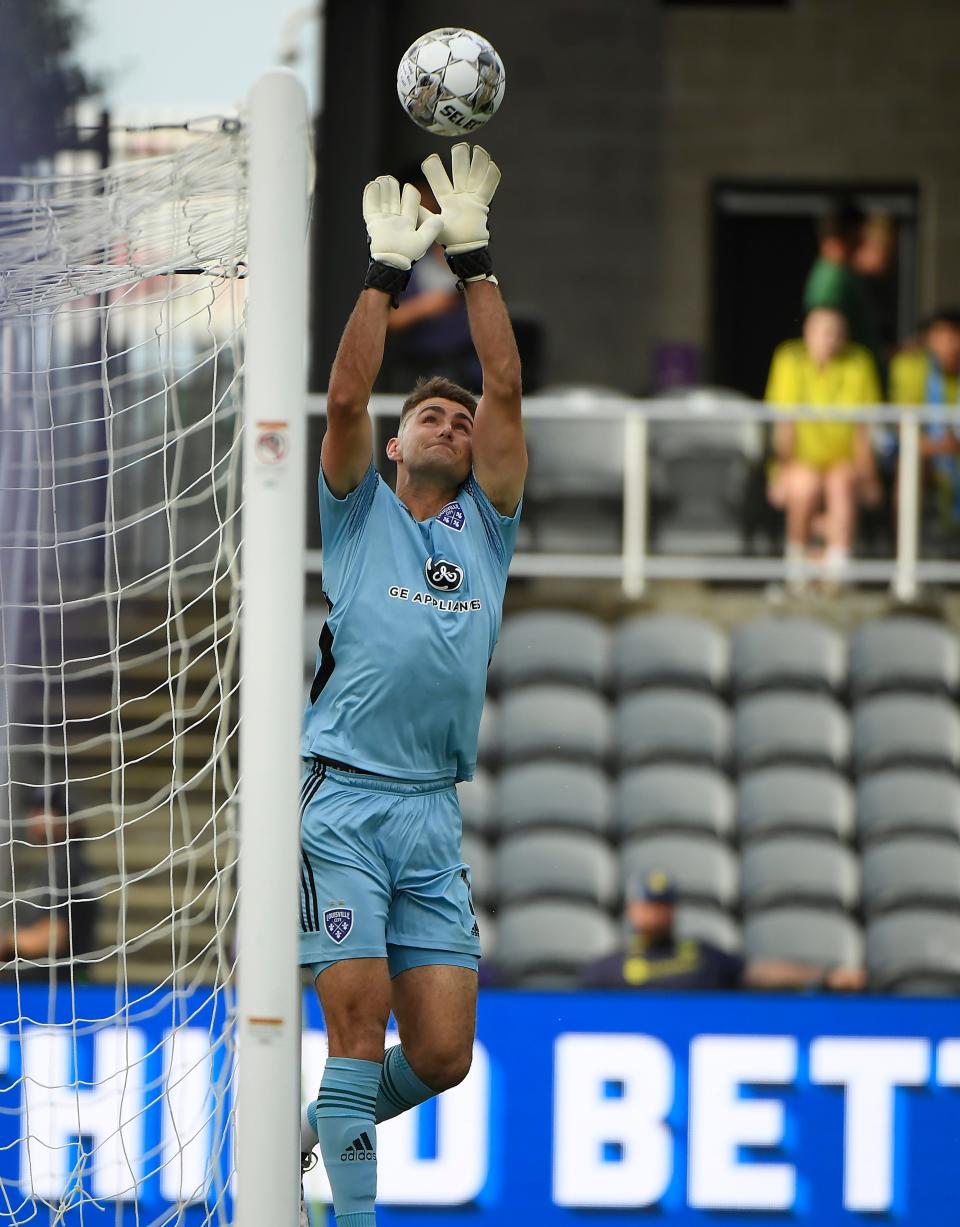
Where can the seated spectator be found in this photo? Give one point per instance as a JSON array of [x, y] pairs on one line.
[[655, 958], [929, 376], [824, 467], [53, 913]]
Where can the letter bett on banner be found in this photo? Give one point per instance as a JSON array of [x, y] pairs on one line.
[[825, 1111]]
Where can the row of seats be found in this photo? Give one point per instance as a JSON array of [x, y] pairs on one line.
[[774, 726], [906, 871], [895, 653], [768, 801], [547, 943]]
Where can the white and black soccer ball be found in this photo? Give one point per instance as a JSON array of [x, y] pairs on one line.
[[450, 81]]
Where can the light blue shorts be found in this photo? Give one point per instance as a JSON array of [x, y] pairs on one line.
[[381, 874]]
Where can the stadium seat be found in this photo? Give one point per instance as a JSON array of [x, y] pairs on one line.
[[917, 942], [903, 654], [487, 742], [780, 800], [787, 652], [488, 932], [905, 730], [554, 721], [780, 726], [813, 935], [709, 924], [552, 938], [556, 864], [476, 854], [552, 646], [911, 870], [669, 723], [553, 794], [906, 800], [672, 796], [798, 869], [476, 803], [704, 870], [670, 650], [569, 462]]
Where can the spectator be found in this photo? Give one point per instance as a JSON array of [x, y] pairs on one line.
[[655, 957], [834, 280], [822, 465], [430, 327], [929, 376], [53, 914]]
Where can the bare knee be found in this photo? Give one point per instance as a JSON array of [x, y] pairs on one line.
[[443, 1065]]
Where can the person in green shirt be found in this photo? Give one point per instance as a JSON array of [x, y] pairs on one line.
[[824, 466]]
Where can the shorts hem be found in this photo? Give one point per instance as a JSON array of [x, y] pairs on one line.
[[403, 958]]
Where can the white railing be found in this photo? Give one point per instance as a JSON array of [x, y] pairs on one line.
[[636, 564]]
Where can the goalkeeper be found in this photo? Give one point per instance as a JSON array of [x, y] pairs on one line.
[[415, 584]]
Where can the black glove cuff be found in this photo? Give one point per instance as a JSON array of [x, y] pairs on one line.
[[468, 265], [392, 281]]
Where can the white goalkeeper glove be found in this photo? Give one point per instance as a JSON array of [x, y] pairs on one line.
[[465, 202], [400, 230]]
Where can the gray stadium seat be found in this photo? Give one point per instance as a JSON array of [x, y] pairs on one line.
[[901, 730], [778, 800], [487, 742], [553, 794], [669, 723], [556, 864], [813, 935], [709, 924], [488, 932], [903, 654], [549, 937], [905, 800], [913, 943], [554, 721], [568, 461], [798, 869], [780, 726], [703, 869], [671, 796], [476, 854], [787, 652], [476, 802], [911, 870], [670, 650], [552, 646]]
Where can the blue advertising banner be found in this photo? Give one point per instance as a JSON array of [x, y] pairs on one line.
[[584, 1109]]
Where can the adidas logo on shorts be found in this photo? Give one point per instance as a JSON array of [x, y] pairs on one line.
[[359, 1150]]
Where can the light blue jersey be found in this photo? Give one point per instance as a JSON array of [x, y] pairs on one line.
[[415, 611]]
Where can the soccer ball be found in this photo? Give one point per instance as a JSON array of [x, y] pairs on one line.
[[450, 81]]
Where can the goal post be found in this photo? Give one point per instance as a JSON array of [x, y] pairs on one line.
[[268, 1002]]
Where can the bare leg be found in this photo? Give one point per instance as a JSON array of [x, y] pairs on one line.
[[436, 1012], [802, 495], [355, 996], [840, 493]]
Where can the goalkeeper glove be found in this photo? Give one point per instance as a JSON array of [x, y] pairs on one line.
[[400, 232], [464, 205]]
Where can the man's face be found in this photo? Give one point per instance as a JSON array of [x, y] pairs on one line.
[[825, 334], [943, 341], [435, 441], [653, 921]]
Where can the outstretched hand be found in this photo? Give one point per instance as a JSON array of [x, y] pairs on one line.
[[464, 201], [400, 230]]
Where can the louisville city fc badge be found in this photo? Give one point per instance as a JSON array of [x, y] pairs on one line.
[[338, 921]]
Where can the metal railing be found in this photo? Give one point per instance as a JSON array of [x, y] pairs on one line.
[[635, 564]]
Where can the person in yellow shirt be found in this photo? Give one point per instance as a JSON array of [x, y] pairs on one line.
[[824, 466], [931, 376]]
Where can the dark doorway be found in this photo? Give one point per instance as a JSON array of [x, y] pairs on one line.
[[764, 243]]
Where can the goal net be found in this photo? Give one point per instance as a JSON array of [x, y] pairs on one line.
[[121, 328]]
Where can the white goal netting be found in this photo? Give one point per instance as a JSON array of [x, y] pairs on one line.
[[121, 318]]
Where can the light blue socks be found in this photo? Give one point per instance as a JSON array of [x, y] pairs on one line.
[[343, 1116], [400, 1088]]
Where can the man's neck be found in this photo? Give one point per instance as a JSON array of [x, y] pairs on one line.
[[424, 500]]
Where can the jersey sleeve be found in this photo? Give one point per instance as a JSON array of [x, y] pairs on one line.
[[500, 530], [342, 521]]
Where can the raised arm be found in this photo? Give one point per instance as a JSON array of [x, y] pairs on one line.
[[499, 451], [400, 232]]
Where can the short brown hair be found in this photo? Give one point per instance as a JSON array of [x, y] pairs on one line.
[[438, 386]]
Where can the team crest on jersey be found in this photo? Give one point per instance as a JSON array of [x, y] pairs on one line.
[[338, 921], [453, 516], [443, 575]]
